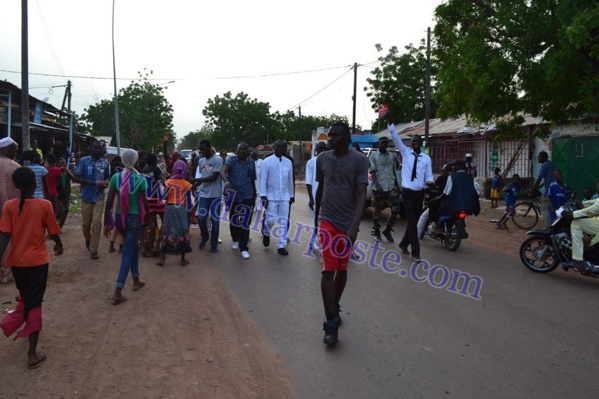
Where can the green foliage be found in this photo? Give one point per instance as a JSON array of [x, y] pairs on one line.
[[498, 58], [192, 139], [400, 83], [144, 115], [239, 118], [231, 120]]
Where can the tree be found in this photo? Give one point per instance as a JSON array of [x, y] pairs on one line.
[[296, 128], [500, 58], [144, 115], [400, 83], [192, 139], [239, 118]]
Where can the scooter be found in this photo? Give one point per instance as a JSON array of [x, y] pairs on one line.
[[453, 226], [545, 249]]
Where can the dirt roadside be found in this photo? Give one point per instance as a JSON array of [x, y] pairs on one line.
[[181, 336]]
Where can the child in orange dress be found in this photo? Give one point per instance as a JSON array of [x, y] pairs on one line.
[[24, 223]]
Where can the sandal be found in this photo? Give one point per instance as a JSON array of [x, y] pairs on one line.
[[118, 301]]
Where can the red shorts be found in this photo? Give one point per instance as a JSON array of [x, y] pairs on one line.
[[336, 248]]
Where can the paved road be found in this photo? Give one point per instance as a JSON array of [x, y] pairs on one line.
[[528, 336]]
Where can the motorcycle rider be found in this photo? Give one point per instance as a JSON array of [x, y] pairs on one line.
[[585, 220], [459, 192], [433, 209]]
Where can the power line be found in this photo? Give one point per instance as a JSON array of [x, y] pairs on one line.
[[279, 74], [321, 90]]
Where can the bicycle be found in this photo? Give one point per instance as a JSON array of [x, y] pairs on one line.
[[528, 212]]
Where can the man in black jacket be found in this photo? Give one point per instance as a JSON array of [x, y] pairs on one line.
[[459, 193]]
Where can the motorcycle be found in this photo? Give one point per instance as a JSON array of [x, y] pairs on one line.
[[453, 226], [545, 249]]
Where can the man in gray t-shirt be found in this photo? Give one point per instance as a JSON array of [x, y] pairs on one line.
[[342, 177], [209, 193]]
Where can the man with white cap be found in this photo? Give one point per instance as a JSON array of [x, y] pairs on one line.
[[8, 191], [470, 166]]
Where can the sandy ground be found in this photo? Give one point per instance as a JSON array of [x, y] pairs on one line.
[[181, 336]]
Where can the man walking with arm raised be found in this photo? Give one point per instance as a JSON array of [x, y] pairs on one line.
[[416, 174]]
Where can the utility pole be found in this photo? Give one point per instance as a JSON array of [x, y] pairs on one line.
[[67, 94], [354, 98], [301, 149], [24, 77], [116, 94], [427, 91]]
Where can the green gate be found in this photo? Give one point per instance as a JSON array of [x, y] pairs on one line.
[[578, 159]]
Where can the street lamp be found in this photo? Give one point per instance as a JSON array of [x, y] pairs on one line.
[[116, 97]]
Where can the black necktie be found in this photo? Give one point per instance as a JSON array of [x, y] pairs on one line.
[[414, 168]]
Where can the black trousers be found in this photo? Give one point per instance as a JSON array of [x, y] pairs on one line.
[[240, 219], [412, 201]]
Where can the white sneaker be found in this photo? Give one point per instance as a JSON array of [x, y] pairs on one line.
[[235, 245], [245, 254], [220, 241]]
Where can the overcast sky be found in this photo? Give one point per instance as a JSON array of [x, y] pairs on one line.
[[264, 48]]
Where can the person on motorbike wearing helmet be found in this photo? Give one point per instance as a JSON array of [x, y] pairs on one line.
[[585, 220], [459, 192]]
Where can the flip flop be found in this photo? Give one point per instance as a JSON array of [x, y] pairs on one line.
[[118, 301], [136, 288], [185, 263], [38, 363]]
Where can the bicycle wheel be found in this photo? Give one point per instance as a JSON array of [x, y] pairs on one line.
[[526, 216]]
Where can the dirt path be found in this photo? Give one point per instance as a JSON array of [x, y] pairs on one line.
[[181, 336]]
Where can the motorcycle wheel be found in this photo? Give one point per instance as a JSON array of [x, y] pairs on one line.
[[452, 240], [538, 254]]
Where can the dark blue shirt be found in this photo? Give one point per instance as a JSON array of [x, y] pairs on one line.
[[241, 176], [546, 173], [511, 191], [496, 181], [92, 170]]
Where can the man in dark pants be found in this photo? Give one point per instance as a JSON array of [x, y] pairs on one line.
[[416, 174], [239, 175]]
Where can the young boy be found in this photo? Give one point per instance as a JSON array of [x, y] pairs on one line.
[[558, 194], [511, 191], [495, 185], [24, 223]]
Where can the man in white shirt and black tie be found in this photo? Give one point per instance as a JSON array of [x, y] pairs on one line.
[[416, 174]]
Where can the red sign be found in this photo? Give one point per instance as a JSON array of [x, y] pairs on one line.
[[383, 111]]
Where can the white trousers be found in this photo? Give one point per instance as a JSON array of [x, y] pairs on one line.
[[578, 227], [277, 211]]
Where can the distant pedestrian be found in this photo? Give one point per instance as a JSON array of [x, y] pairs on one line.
[[129, 217], [239, 175], [24, 223], [52, 177], [312, 187], [385, 189], [277, 192], [470, 165], [175, 227], [546, 175], [92, 172], [8, 191], [155, 179], [41, 187], [495, 186], [342, 177], [511, 192], [63, 190]]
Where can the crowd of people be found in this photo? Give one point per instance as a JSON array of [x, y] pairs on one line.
[[148, 207]]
